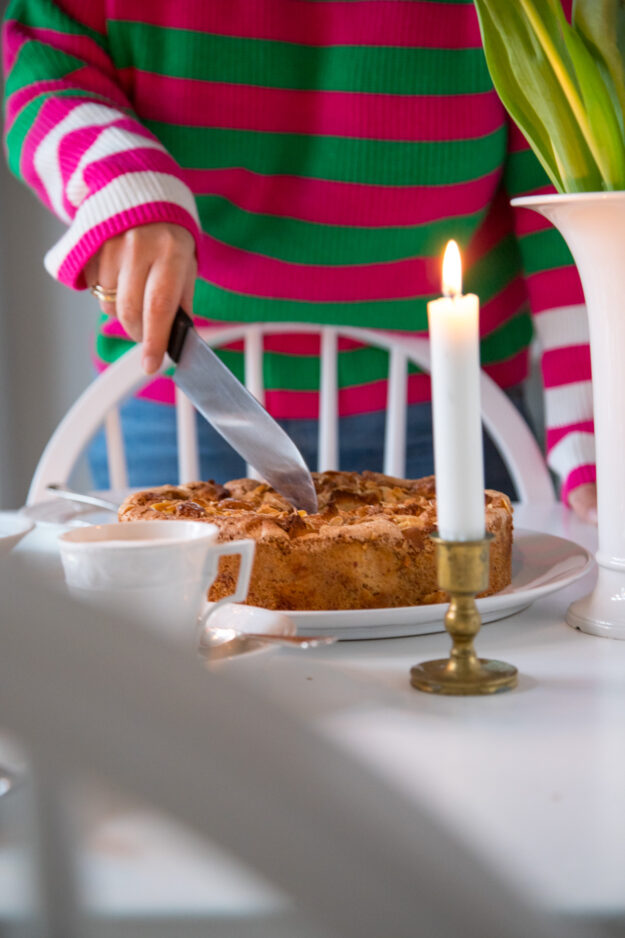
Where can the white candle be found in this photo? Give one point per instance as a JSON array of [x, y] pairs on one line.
[[455, 370]]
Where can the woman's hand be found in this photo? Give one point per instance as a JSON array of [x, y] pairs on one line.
[[153, 269], [583, 501]]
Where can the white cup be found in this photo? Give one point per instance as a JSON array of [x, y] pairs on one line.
[[156, 572]]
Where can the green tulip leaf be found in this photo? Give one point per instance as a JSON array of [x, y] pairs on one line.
[[606, 140], [558, 89], [507, 86], [601, 25]]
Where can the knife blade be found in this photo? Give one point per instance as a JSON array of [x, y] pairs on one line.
[[236, 414]]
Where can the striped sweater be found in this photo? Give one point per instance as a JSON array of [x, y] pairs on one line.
[[321, 152]]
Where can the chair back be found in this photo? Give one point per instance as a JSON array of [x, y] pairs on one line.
[[99, 405]]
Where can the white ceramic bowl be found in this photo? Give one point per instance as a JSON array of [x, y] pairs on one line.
[[13, 527]]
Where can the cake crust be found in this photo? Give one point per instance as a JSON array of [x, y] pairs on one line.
[[368, 546]]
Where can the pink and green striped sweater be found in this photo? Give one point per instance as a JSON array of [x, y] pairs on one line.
[[321, 152]]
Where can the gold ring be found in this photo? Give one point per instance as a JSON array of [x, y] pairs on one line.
[[101, 293]]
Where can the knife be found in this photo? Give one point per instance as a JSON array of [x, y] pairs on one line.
[[236, 414]]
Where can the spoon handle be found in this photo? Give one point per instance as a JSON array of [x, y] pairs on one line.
[[64, 491], [298, 641]]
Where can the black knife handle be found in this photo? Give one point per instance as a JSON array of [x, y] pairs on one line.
[[180, 326]]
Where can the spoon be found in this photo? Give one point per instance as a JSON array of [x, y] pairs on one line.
[[226, 642], [64, 491]]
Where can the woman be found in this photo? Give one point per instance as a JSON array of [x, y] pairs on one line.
[[293, 160]]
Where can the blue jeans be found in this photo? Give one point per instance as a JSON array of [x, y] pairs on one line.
[[150, 436]]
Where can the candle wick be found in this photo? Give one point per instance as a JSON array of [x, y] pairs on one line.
[[450, 293]]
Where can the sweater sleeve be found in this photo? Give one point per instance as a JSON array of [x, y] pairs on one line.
[[560, 323], [72, 136]]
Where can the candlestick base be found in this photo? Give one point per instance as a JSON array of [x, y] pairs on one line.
[[485, 676], [463, 572]]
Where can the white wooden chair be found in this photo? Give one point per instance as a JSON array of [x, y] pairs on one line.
[[98, 405], [96, 696]]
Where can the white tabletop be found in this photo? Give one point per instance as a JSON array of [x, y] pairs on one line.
[[533, 778]]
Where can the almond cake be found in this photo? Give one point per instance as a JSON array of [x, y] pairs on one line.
[[368, 546]]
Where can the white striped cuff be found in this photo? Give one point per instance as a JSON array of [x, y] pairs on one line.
[[126, 192], [573, 450]]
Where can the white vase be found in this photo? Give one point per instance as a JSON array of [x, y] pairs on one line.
[[593, 226]]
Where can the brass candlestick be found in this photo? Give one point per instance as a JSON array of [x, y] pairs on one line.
[[463, 568]]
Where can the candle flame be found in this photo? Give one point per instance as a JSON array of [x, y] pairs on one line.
[[452, 270]]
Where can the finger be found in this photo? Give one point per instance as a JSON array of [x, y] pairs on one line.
[[107, 271], [583, 501], [90, 270], [163, 294], [131, 283], [588, 513], [189, 287]]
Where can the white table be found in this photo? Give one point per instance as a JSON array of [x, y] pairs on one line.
[[533, 778]]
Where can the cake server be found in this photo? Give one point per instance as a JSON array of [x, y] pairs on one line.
[[237, 415]]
